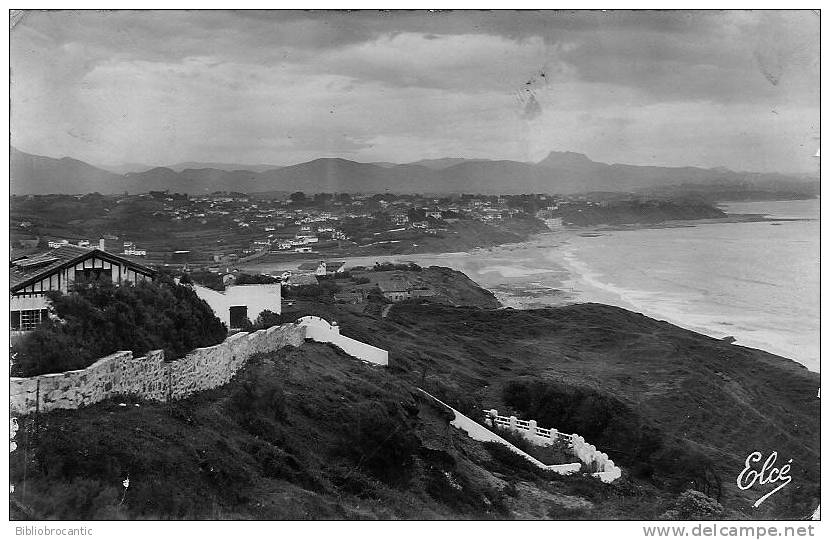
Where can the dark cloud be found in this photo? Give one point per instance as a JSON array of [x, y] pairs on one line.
[[532, 109], [227, 85]]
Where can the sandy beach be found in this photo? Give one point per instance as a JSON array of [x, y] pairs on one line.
[[708, 277]]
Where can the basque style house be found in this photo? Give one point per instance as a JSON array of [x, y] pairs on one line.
[[30, 278]]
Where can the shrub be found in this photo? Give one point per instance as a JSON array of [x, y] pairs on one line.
[[259, 398], [211, 280], [387, 266], [255, 279], [379, 440], [100, 319], [322, 292], [267, 319], [693, 505], [461, 399]]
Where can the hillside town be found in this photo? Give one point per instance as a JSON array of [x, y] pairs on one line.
[[226, 228]]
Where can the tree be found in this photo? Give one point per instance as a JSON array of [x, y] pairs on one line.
[[99, 319], [298, 197], [322, 199], [268, 318]]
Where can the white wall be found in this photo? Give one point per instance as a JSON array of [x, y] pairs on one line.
[[587, 453], [257, 298], [321, 331], [21, 303], [477, 432]]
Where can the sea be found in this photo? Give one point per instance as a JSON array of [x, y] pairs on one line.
[[757, 282]]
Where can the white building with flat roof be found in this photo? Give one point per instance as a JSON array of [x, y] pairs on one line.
[[238, 303]]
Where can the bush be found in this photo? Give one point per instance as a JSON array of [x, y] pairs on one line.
[[255, 279], [211, 280], [258, 400], [322, 292], [387, 266], [693, 505], [379, 440], [100, 319], [267, 319]]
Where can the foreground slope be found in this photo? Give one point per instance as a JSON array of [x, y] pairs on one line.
[[304, 433], [673, 407], [310, 433]]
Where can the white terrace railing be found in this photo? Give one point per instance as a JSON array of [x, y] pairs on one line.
[[530, 427], [607, 471]]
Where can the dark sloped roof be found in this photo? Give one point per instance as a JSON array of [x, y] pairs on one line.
[[393, 285], [27, 270], [302, 279]]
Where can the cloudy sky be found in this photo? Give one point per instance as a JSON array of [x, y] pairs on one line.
[[737, 89]]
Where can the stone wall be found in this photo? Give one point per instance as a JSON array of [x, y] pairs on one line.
[[150, 376]]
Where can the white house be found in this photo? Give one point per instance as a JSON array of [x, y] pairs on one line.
[[323, 268], [239, 303]]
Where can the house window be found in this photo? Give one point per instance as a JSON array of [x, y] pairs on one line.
[[239, 316], [88, 275], [28, 319]]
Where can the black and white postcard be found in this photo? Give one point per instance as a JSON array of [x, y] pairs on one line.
[[413, 265]]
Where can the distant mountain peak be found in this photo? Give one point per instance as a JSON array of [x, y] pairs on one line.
[[566, 159]]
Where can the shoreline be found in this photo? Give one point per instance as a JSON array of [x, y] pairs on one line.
[[609, 294], [299, 258], [523, 279]]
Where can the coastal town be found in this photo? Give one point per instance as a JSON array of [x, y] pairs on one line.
[[227, 228]]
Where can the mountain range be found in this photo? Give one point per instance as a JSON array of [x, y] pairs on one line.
[[126, 168], [559, 172]]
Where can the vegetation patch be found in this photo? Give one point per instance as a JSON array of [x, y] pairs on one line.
[[96, 320]]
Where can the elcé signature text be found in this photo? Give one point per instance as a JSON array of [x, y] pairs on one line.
[[767, 473]]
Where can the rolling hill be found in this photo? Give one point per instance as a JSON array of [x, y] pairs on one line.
[[32, 174], [559, 172]]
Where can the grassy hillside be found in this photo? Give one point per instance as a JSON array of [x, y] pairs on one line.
[[303, 433], [675, 408]]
